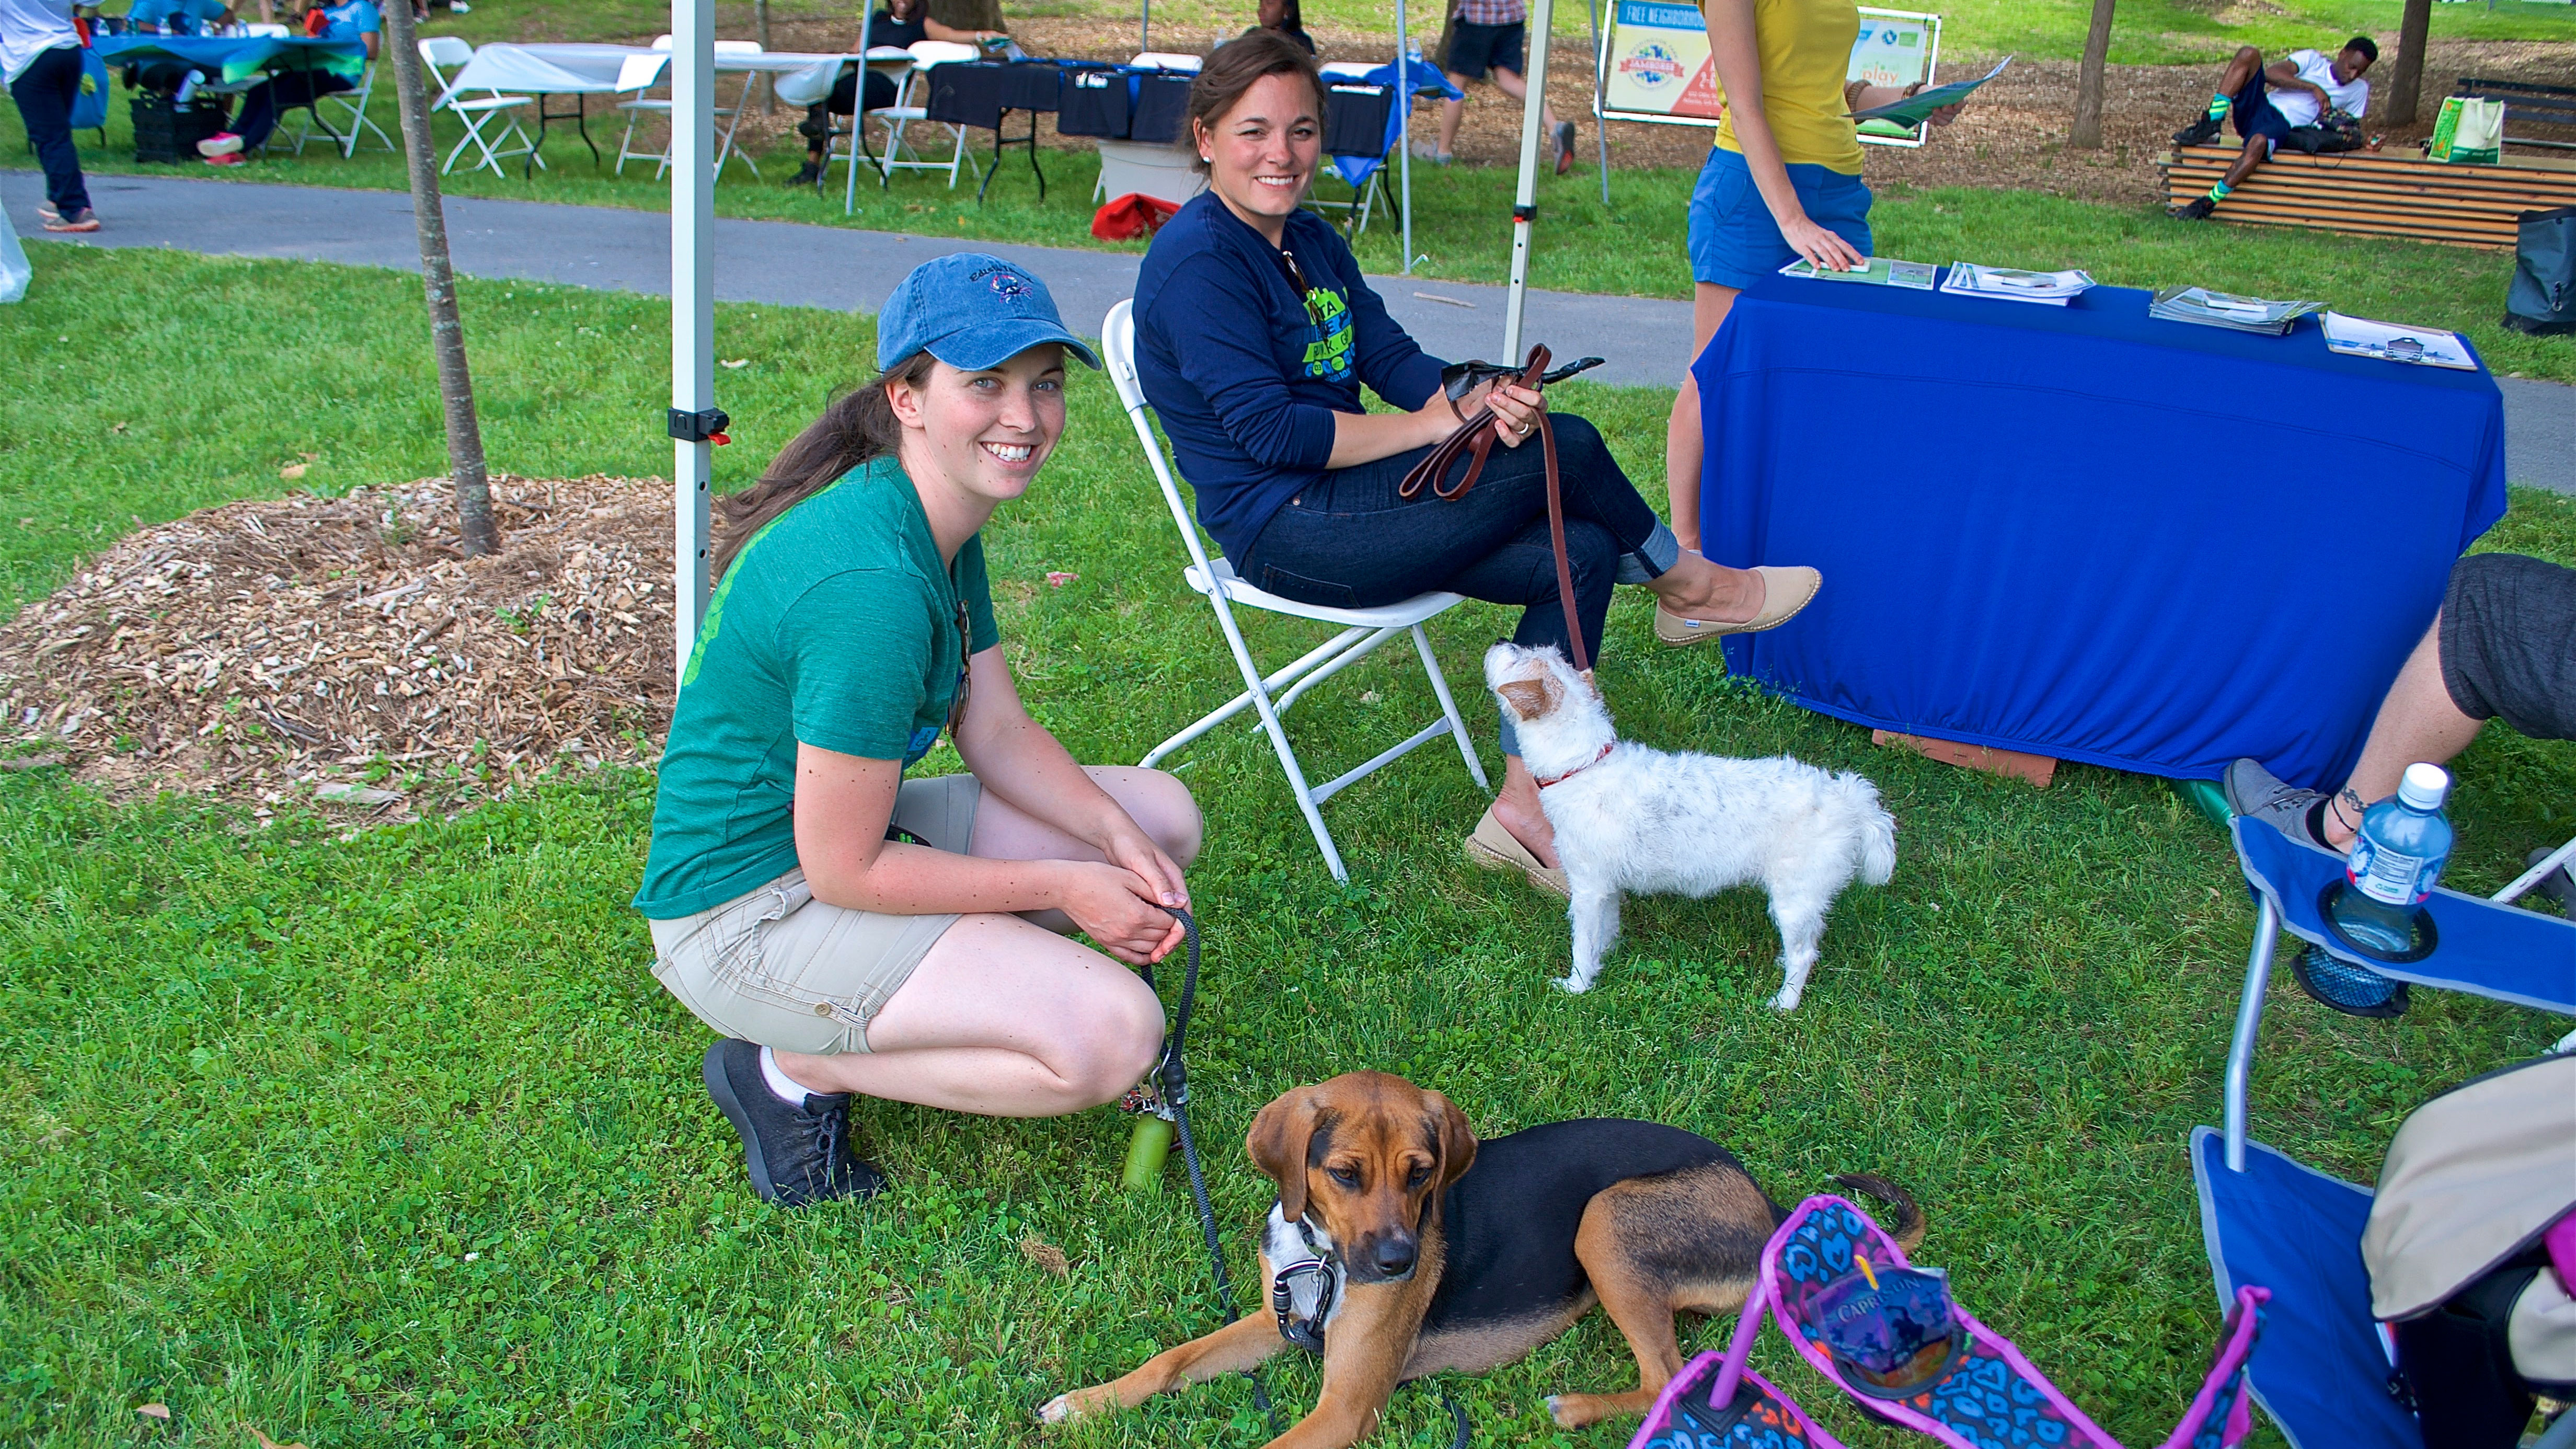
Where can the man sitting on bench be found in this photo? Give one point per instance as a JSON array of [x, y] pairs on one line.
[[2270, 102]]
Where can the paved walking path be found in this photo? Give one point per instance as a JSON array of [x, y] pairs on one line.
[[792, 264]]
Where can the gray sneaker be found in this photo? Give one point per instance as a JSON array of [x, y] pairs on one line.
[[2258, 793], [2559, 885]]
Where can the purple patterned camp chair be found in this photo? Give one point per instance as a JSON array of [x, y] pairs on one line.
[[1989, 1397]]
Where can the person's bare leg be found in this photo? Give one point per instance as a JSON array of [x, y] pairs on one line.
[[2417, 721], [1685, 450], [1002, 1019], [1517, 808], [2258, 149], [1059, 1022], [1515, 85], [1157, 801], [1450, 111], [2240, 69]]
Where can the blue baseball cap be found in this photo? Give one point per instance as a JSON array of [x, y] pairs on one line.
[[971, 311]]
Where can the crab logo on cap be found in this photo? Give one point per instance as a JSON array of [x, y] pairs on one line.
[[1006, 283]]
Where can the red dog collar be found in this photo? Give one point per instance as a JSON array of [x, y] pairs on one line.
[[1579, 769]]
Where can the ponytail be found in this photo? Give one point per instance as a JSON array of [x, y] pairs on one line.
[[857, 426]]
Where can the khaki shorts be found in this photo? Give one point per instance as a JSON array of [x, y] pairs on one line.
[[795, 974]]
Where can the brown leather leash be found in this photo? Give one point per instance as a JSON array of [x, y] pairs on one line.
[[1472, 441]]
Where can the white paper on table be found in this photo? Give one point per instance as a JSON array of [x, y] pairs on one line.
[[2390, 342]]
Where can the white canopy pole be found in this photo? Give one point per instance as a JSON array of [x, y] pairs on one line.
[[1145, 26], [1600, 128], [693, 309], [1525, 200], [1404, 131]]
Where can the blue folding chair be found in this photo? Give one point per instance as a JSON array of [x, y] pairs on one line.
[[1363, 171], [2322, 1368]]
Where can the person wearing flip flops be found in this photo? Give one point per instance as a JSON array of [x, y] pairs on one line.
[[1255, 332], [2503, 646], [1782, 181], [848, 931], [40, 56]]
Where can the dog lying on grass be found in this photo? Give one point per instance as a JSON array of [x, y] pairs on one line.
[[1629, 817], [1401, 1247]]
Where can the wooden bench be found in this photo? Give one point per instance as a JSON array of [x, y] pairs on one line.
[[2527, 103], [2377, 193]]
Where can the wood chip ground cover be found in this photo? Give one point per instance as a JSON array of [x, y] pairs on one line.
[[343, 651]]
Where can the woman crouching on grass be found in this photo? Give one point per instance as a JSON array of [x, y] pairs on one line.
[[848, 931]]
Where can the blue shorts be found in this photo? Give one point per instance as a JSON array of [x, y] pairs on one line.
[[1475, 49], [2255, 115], [1733, 240]]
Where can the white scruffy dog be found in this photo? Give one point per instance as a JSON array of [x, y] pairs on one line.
[[1630, 817]]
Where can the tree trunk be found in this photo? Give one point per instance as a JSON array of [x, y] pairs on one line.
[[446, 330], [768, 82], [2407, 84], [968, 14], [2087, 132]]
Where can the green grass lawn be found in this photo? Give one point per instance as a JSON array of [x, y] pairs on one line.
[[393, 1141]]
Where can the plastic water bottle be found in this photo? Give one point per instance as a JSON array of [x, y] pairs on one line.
[[2396, 859]]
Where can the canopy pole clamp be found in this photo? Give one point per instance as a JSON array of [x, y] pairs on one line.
[[707, 425], [1528, 212]]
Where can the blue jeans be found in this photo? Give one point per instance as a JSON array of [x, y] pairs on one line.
[[1349, 542], [45, 91]]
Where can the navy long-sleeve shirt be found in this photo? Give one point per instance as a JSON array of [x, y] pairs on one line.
[[1246, 374]]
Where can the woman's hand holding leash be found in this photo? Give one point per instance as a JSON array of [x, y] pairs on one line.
[[1516, 410], [1119, 910]]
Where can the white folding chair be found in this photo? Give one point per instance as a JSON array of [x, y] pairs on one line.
[[640, 73], [1271, 695], [441, 51], [732, 115], [896, 66], [354, 104], [898, 117]]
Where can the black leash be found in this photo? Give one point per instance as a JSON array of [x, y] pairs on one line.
[[1175, 1076]]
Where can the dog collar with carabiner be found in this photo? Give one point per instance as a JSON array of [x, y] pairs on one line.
[[1302, 1295], [1579, 769]]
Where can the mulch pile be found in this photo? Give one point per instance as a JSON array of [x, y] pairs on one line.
[[344, 650]]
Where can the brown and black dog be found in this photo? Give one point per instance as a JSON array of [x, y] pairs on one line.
[[1404, 1247]]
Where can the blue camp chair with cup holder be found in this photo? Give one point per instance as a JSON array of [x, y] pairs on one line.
[[2321, 1370]]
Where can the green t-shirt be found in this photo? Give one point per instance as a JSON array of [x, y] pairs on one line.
[[836, 626]]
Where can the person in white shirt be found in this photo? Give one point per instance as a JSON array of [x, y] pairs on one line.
[[40, 58], [2269, 102]]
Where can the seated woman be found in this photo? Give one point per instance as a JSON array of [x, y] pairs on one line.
[[845, 930], [262, 104], [1286, 17], [901, 24], [1254, 332]]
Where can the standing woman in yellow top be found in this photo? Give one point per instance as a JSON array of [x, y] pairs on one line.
[[1782, 182]]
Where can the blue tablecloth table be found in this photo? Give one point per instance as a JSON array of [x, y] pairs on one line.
[[2084, 533], [239, 57]]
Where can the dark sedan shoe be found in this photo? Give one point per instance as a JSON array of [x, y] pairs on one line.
[[796, 1155], [2196, 209], [2199, 131], [1564, 147]]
